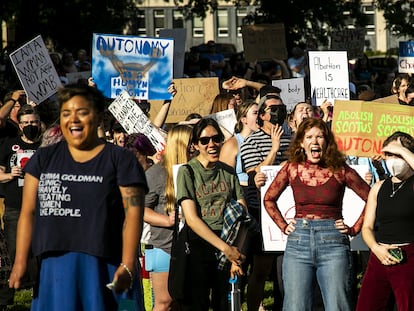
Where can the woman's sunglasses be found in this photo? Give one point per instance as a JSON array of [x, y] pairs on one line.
[[205, 140]]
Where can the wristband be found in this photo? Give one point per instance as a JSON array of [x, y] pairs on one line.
[[129, 272], [12, 100]]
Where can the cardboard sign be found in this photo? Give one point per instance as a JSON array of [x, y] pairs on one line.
[[350, 40], [328, 76], [293, 91], [179, 35], [133, 120], [275, 240], [406, 57], [194, 95], [35, 70], [264, 42], [360, 127], [142, 66]]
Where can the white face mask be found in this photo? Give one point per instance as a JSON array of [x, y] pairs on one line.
[[397, 167]]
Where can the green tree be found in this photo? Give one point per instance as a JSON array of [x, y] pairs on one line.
[[399, 15], [67, 24]]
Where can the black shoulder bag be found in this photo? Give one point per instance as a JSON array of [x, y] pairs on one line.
[[180, 250]]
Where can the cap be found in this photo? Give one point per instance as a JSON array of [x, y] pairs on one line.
[[269, 89]]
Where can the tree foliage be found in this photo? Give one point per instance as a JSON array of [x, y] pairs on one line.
[[399, 15], [70, 23]]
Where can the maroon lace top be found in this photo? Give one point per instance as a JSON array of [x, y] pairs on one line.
[[318, 192]]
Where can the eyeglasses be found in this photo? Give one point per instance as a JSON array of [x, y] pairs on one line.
[[205, 140], [34, 122]]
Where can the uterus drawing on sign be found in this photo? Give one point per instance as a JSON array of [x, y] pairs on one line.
[[133, 77]]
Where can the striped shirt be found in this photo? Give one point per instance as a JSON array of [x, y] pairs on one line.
[[257, 146]]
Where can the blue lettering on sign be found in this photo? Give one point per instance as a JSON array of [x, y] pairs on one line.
[[153, 48], [406, 49]]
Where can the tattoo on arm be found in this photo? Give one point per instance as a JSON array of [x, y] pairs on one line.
[[133, 197]]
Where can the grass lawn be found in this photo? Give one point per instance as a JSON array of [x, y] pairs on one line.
[[23, 299]]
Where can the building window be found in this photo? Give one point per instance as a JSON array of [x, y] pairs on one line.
[[178, 19], [198, 27], [222, 23], [369, 12], [241, 15], [142, 30], [158, 21]]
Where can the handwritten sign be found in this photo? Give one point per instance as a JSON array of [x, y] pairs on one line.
[[142, 66], [328, 76], [226, 120], [275, 240], [293, 91], [179, 35], [133, 120], [406, 57], [195, 95], [264, 42], [35, 70], [350, 40], [361, 127]]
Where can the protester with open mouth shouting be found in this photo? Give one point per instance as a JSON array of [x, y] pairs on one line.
[[318, 246]]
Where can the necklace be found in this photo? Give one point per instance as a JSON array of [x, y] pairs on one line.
[[394, 191]]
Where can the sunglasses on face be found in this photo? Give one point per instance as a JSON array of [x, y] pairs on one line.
[[205, 140]]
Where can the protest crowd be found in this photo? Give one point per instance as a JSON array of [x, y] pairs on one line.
[[116, 202]]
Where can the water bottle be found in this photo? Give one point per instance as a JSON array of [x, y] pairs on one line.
[[234, 295]]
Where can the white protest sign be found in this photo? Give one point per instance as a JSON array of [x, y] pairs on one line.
[[406, 57], [275, 240], [328, 76], [293, 91], [226, 119], [133, 120], [35, 70]]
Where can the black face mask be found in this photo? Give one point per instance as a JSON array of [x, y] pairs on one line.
[[277, 114], [31, 131]]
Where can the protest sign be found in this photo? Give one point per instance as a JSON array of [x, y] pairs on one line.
[[360, 127], [350, 40], [328, 76], [133, 120], [275, 240], [406, 57], [35, 70], [226, 120], [194, 95], [293, 91], [264, 42], [179, 36], [140, 65]]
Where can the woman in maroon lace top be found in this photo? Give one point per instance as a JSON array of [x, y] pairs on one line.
[[318, 246]]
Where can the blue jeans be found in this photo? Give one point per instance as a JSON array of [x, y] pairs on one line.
[[317, 251]]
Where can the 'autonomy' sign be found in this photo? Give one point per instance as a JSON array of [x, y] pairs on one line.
[[142, 66]]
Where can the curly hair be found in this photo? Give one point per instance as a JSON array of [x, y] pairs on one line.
[[332, 158]]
